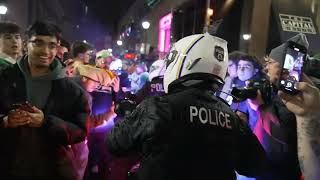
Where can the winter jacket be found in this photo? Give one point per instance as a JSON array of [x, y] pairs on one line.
[[40, 153], [277, 132], [151, 88], [188, 134]]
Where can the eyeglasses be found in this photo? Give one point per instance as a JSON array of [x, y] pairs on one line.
[[41, 44]]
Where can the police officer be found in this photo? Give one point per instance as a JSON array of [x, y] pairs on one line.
[[189, 133], [154, 86]]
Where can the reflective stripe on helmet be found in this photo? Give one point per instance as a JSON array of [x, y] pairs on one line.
[[184, 57]]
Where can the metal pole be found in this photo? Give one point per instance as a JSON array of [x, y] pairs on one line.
[[146, 44], [206, 27], [208, 3]]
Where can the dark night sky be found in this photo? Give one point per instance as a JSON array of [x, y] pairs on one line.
[[108, 12], [94, 25]]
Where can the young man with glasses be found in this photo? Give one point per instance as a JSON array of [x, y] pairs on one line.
[[10, 44], [35, 135]]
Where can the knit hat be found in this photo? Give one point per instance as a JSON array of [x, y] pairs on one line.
[[96, 74], [278, 52]]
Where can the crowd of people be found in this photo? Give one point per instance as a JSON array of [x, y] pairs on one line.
[[62, 114]]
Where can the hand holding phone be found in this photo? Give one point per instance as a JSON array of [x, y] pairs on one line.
[[66, 56], [305, 104], [292, 67], [36, 118], [17, 118], [25, 106], [19, 115], [25, 114]]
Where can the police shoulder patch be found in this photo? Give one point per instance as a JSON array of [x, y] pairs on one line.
[[219, 53]]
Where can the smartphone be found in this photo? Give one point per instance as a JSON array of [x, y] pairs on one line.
[[292, 67], [66, 56], [25, 106]]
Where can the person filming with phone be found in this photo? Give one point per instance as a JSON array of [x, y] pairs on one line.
[[304, 103], [305, 106], [276, 126]]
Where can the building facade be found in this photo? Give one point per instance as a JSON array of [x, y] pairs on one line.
[[253, 26]]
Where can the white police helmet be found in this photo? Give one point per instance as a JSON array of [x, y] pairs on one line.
[[157, 69], [197, 57]]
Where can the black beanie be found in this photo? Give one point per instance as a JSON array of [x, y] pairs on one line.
[[278, 52]]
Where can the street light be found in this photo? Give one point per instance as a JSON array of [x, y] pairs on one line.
[[110, 50], [119, 42], [145, 25], [246, 37], [3, 9], [209, 12]]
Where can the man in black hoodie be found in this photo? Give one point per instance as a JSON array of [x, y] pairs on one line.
[[35, 138]]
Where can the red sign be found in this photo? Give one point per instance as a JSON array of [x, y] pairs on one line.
[[130, 56]]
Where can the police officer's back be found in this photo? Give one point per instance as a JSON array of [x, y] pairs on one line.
[[189, 133]]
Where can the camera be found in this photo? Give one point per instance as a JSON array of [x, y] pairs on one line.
[[251, 90], [125, 106], [312, 67]]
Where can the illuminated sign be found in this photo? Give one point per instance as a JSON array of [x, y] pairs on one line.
[[298, 24], [129, 56], [165, 21], [164, 33]]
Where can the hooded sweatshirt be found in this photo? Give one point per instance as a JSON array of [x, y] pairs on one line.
[[5, 61], [39, 87]]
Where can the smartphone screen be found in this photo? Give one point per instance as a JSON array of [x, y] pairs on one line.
[[66, 56], [291, 73]]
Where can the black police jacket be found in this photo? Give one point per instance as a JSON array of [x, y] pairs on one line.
[[151, 88], [188, 134]]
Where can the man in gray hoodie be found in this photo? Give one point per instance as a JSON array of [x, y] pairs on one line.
[[35, 138]]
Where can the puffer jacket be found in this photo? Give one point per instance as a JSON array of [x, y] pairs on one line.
[[39, 153]]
